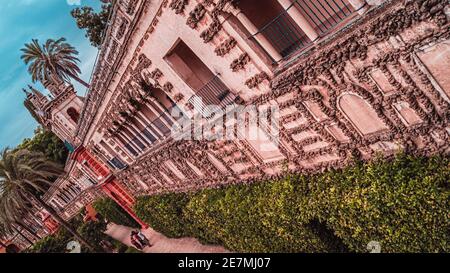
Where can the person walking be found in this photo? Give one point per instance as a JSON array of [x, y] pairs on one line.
[[135, 241], [143, 239]]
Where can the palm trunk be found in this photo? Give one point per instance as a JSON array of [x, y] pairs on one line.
[[23, 235], [78, 79], [64, 223]]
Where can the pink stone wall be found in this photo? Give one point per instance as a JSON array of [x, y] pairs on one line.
[[374, 87]]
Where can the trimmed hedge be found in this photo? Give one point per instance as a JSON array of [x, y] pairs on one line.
[[164, 213], [111, 211], [402, 203]]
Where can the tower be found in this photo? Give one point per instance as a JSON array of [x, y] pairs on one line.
[[61, 112]]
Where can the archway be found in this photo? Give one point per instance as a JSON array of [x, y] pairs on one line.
[[73, 114]]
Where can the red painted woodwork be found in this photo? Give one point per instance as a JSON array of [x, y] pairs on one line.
[[83, 156], [110, 186], [121, 197], [50, 224]]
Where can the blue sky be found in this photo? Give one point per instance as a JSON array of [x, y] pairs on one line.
[[21, 21]]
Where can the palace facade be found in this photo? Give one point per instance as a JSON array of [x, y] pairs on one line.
[[348, 79]]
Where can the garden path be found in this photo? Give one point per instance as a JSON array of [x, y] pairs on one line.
[[162, 244]]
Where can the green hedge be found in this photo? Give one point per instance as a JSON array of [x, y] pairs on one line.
[[163, 213], [110, 210], [402, 203]]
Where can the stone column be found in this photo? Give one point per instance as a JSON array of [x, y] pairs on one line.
[[299, 19], [58, 200], [254, 31], [130, 142], [122, 147], [160, 134], [163, 110], [138, 134], [143, 124], [360, 6]]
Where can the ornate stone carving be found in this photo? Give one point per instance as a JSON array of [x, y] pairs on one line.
[[178, 97], [256, 80], [214, 28], [240, 62], [167, 87], [156, 74], [178, 5], [195, 16], [225, 47]]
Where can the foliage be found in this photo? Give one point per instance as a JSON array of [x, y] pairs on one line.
[[56, 243], [114, 213], [401, 203], [47, 143], [164, 213], [93, 231], [94, 23], [24, 176], [53, 61]]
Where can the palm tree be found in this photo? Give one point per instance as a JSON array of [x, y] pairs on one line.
[[54, 58], [23, 176]]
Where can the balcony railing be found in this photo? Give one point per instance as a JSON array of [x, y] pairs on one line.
[[284, 34], [324, 14], [287, 37], [214, 93]]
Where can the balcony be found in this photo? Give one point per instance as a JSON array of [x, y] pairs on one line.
[[324, 15], [284, 35], [213, 93], [282, 27]]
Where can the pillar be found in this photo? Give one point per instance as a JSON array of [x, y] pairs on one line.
[[160, 134], [254, 31], [137, 132], [130, 142], [163, 110], [121, 146], [299, 19], [360, 6], [144, 124], [159, 113]]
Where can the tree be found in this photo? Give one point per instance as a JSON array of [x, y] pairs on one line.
[[94, 231], [48, 143], [109, 209], [94, 23], [23, 175], [55, 58]]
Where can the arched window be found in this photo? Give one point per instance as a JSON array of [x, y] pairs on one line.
[[361, 114], [73, 114]]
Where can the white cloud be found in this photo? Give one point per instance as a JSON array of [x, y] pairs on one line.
[[74, 2]]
